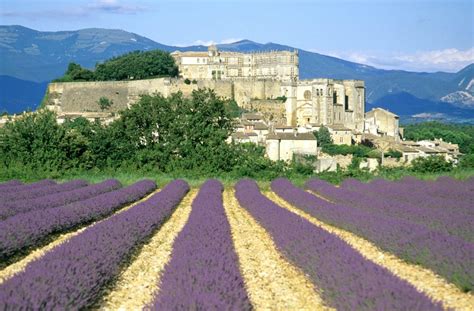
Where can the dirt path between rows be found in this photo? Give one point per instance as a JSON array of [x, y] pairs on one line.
[[421, 278], [20, 265], [139, 282], [272, 282]]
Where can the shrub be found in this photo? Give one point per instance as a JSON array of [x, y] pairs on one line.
[[105, 103], [356, 150], [187, 81], [323, 137], [393, 154], [467, 161], [431, 164]]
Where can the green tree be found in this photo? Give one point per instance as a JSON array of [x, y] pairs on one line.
[[323, 136], [137, 65], [460, 134], [104, 103], [467, 161], [34, 140], [431, 164]]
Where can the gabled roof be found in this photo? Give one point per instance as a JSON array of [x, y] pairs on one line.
[[291, 136], [338, 127], [430, 150], [240, 135], [260, 126], [282, 126], [383, 110], [252, 116]]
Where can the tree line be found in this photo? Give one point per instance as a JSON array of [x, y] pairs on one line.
[[131, 66], [169, 135]]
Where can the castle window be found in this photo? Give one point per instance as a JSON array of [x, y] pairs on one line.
[[346, 102], [198, 60]]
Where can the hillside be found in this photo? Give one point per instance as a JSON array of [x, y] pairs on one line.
[[18, 95], [38, 56]]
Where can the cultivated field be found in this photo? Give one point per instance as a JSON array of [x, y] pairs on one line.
[[404, 245]]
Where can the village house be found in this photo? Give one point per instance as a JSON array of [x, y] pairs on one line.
[[382, 122], [240, 137], [284, 146], [340, 135]]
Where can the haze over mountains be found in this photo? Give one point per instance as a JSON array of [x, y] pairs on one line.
[[30, 59]]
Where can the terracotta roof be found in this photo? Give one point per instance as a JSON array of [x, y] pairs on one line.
[[338, 127], [260, 126], [240, 135], [282, 126], [403, 148], [430, 150], [251, 116], [383, 110], [291, 136]]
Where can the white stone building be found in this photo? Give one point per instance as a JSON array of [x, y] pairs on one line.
[[224, 65], [283, 146]]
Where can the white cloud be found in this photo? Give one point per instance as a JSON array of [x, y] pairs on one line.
[[204, 42], [98, 6], [113, 6], [207, 42], [450, 60]]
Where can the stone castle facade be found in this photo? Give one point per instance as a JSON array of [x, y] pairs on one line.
[[222, 65], [265, 82]]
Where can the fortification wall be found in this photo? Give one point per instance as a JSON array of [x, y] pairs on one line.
[[272, 109], [80, 97]]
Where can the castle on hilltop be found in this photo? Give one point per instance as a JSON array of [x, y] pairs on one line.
[[224, 65], [267, 82]]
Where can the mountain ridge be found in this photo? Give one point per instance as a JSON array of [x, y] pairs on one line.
[[40, 56]]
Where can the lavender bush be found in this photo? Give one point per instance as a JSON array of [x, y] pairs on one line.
[[348, 280], [203, 273], [448, 256], [39, 192], [20, 188], [11, 183], [448, 221], [9, 209], [426, 194], [72, 275], [29, 229]]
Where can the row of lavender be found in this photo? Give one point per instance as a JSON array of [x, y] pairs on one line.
[[63, 211], [448, 221], [444, 193], [348, 281], [203, 273], [449, 256], [73, 275]]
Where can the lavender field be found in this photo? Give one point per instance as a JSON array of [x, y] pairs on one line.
[[384, 245]]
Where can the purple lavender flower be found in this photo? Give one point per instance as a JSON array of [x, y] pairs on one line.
[[203, 273], [29, 229], [448, 221], [11, 183], [20, 188], [9, 209], [348, 281], [72, 275], [448, 256]]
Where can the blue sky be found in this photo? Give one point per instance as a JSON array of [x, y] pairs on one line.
[[417, 35]]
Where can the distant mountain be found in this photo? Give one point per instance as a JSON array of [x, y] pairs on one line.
[[18, 95], [38, 56], [413, 109]]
